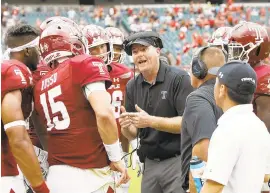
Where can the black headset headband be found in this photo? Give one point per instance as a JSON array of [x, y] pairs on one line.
[[147, 34]]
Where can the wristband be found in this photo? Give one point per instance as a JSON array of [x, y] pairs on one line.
[[14, 124], [134, 143], [113, 151], [41, 188]]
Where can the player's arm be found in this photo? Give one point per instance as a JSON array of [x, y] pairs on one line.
[[40, 130], [124, 143], [19, 141], [100, 101]]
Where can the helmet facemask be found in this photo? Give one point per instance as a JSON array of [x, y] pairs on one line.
[[107, 57], [116, 37], [120, 53], [237, 51]]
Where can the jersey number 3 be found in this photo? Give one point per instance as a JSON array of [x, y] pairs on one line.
[[56, 107]]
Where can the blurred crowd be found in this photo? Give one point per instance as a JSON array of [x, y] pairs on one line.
[[186, 27], [182, 27], [34, 15], [194, 16]]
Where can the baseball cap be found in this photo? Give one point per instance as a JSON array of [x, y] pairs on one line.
[[146, 38], [145, 42], [238, 76]]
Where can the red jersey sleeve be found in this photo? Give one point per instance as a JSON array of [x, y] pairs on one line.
[[91, 69], [14, 77], [263, 82]]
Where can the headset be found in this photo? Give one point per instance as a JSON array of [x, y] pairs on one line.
[[140, 35], [198, 67]]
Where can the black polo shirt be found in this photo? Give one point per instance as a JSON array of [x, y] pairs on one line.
[[165, 98], [199, 122]]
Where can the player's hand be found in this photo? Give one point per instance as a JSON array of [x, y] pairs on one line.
[[136, 161], [119, 167], [140, 119], [124, 119]]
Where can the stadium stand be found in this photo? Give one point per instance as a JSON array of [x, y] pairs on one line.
[[182, 27]]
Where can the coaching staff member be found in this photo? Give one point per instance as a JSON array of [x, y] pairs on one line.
[[238, 150], [154, 105], [201, 113]]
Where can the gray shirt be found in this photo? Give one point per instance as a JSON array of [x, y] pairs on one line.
[[199, 122], [165, 98]]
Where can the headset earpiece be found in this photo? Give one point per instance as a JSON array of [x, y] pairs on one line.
[[198, 67]]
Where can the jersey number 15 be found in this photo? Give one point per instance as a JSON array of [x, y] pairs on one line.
[[56, 107]]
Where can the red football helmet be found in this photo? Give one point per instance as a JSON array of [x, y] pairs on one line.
[[221, 37], [117, 38], [60, 40], [249, 42], [96, 36], [56, 19]]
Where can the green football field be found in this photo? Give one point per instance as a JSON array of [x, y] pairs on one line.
[[135, 182]]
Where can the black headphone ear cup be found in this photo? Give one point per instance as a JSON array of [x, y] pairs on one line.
[[203, 73], [199, 69], [159, 42], [195, 67]]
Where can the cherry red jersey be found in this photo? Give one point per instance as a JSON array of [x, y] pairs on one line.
[[14, 76], [263, 82], [120, 75], [73, 137], [41, 70]]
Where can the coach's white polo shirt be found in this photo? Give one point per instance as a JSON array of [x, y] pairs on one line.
[[239, 150]]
